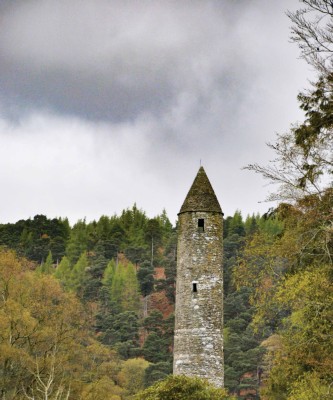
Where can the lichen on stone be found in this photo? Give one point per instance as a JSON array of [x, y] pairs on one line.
[[201, 196]]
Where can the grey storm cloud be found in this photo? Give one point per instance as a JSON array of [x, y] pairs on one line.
[[114, 60], [116, 101]]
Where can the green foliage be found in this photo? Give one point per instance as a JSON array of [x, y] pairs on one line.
[[79, 273], [108, 275], [121, 331], [146, 279], [154, 322], [123, 286], [92, 284], [292, 282], [35, 238], [286, 266], [155, 348], [153, 236], [182, 388], [270, 224], [63, 272], [132, 375], [305, 333], [97, 270], [235, 224], [243, 354], [46, 347], [165, 225], [310, 386], [157, 372], [78, 241], [242, 351], [47, 266], [232, 246], [170, 265], [251, 224]]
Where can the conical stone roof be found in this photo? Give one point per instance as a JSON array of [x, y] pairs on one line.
[[201, 196]]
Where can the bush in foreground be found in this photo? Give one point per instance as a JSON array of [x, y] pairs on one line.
[[180, 387]]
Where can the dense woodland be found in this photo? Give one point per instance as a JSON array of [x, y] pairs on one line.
[[86, 311], [108, 270]]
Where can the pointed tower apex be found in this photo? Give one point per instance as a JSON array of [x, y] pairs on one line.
[[201, 196]]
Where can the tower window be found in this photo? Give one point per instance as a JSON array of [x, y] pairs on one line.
[[201, 225], [194, 287]]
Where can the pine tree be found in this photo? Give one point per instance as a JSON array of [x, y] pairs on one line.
[[64, 273], [79, 273], [47, 266]]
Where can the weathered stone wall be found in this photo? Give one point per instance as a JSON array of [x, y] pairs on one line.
[[198, 341]]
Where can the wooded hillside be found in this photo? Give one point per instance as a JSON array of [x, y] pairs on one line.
[[120, 271], [107, 275]]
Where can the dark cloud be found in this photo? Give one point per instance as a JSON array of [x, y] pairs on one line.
[[115, 60], [106, 103], [73, 93]]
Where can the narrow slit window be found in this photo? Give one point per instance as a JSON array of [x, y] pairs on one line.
[[194, 287], [201, 225]]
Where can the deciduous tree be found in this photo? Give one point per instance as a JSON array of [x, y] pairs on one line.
[[180, 387]]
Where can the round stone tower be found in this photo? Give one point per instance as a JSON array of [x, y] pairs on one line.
[[198, 341]]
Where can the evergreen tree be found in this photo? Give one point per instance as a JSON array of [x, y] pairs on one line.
[[78, 241], [122, 282], [92, 285], [236, 225], [47, 266], [146, 279], [79, 273], [108, 275], [63, 272], [130, 298], [157, 372], [153, 236]]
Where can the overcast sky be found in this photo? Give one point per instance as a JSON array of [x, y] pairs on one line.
[[104, 103]]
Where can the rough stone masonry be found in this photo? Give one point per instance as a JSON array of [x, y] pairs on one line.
[[198, 341]]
